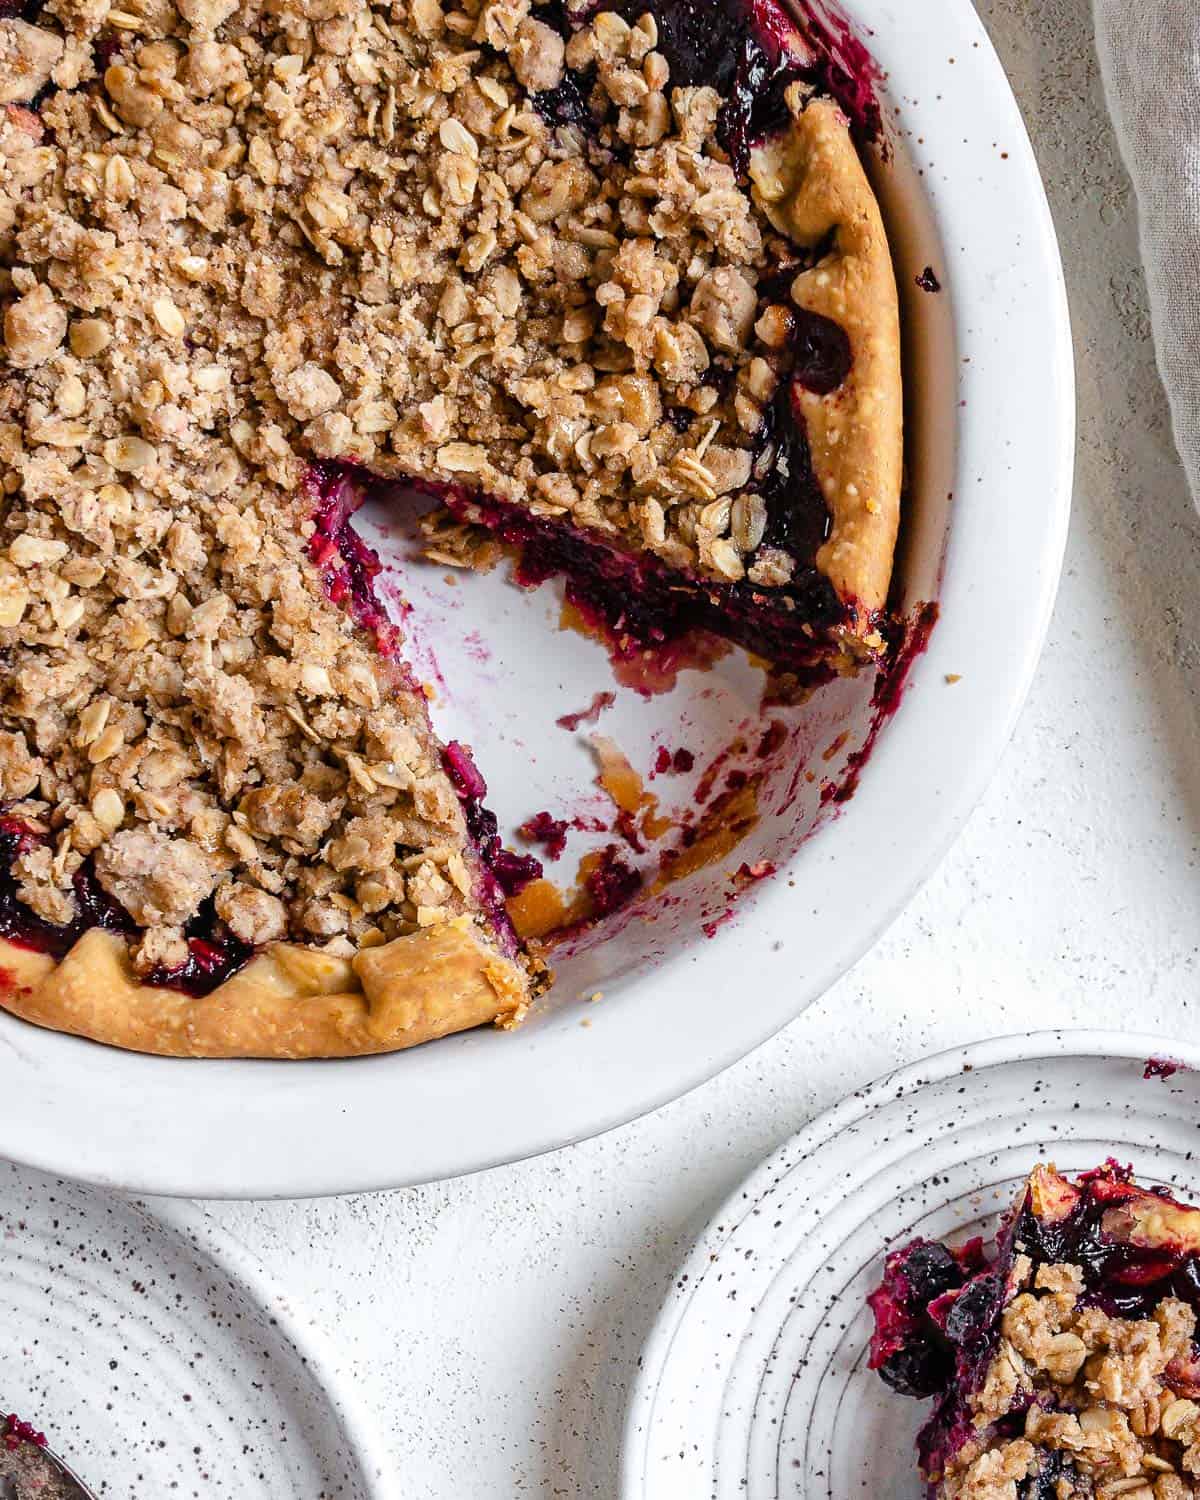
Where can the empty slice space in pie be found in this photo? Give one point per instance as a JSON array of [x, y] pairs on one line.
[[611, 290]]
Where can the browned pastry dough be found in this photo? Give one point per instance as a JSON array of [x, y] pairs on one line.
[[288, 1002], [810, 183]]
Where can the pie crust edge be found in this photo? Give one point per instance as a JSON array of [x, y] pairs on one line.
[[811, 183], [288, 1002]]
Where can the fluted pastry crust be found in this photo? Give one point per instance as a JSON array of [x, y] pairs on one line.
[[288, 1002], [811, 183]]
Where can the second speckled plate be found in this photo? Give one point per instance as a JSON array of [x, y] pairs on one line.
[[160, 1360], [754, 1383]]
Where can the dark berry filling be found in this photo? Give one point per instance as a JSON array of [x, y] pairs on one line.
[[1044, 1484], [822, 354], [640, 604], [567, 104], [20, 10], [1124, 1280], [743, 50], [347, 565], [679, 764], [214, 954], [907, 640], [941, 1346], [908, 1348], [611, 883], [94, 907], [548, 831], [937, 1311], [504, 873], [842, 64], [798, 519], [14, 1432], [748, 50], [349, 569]]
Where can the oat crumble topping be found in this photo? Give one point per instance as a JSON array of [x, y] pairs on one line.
[[1097, 1389]]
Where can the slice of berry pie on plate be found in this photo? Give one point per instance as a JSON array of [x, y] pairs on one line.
[[610, 288], [29, 1470], [1063, 1360]]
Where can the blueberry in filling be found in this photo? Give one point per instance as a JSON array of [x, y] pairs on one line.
[[748, 50], [822, 353], [1044, 1485]]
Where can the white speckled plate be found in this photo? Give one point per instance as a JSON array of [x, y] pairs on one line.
[[160, 1359], [754, 1383]]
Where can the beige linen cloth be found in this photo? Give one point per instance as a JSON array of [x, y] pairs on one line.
[[1150, 56]]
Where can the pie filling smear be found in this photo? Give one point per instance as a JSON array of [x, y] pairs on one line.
[[1063, 1363], [609, 286]]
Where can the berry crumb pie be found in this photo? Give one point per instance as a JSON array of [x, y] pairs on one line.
[[28, 1471], [1063, 1364], [607, 284]]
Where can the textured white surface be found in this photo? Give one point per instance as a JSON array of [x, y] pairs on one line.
[[495, 1322]]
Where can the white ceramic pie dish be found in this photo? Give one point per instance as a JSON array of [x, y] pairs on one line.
[[991, 402]]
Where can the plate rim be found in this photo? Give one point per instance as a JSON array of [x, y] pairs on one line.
[[906, 1080], [405, 1123], [313, 1343], [208, 1255]]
